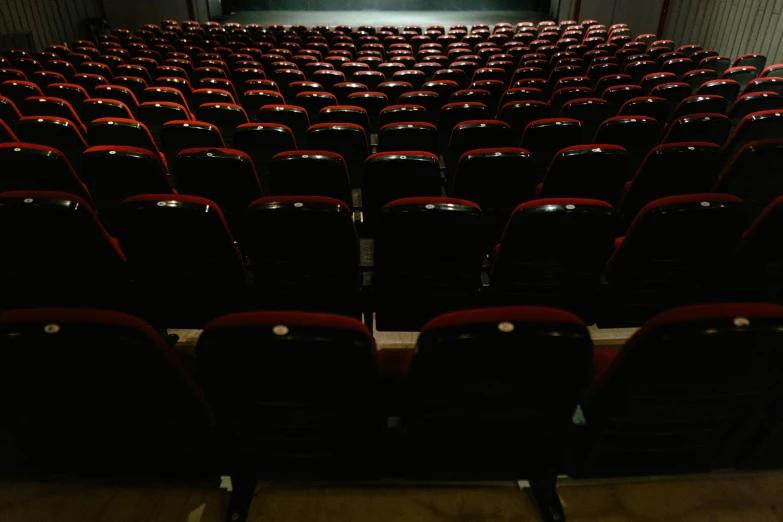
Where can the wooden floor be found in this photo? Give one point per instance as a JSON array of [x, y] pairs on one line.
[[712, 498]]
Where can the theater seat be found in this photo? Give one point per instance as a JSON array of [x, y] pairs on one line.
[[346, 139], [636, 134], [545, 138], [587, 171], [753, 174], [764, 125], [702, 380], [178, 135], [38, 167], [427, 255], [62, 256], [309, 173], [395, 175], [173, 290], [498, 387], [58, 133], [671, 170], [302, 401], [676, 252], [122, 132], [535, 262], [114, 173], [129, 406], [225, 176], [304, 254]]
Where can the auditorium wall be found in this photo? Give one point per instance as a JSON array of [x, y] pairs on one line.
[[731, 27], [38, 23]]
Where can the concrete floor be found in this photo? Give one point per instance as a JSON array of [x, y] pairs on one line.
[[379, 18]]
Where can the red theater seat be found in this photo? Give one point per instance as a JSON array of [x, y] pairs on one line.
[[752, 175], [61, 257], [494, 378], [724, 384], [428, 255], [225, 176], [389, 176], [671, 170], [209, 281], [534, 262], [60, 133], [37, 167], [309, 173], [149, 416], [676, 252], [114, 173], [304, 254], [305, 402]]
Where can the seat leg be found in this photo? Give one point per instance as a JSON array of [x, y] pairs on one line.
[[544, 491], [243, 488]]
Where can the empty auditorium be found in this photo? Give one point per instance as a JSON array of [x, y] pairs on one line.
[[391, 261]]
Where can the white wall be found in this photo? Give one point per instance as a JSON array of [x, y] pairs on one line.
[[731, 27]]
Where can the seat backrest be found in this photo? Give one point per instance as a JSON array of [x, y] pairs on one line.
[[670, 170], [752, 174], [38, 167], [114, 173], [495, 377], [225, 176], [145, 226], [61, 244], [687, 393], [497, 178], [764, 125], [59, 133], [595, 171], [308, 173], [148, 408], [395, 175], [301, 243], [428, 244], [535, 259], [305, 397], [680, 240]]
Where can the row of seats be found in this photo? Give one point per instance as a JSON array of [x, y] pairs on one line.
[[175, 262], [496, 178], [488, 393]]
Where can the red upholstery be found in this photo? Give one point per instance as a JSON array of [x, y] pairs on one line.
[[318, 200], [233, 152], [315, 320], [561, 201], [55, 119], [6, 131], [332, 125], [417, 123], [553, 120], [432, 201], [526, 314], [302, 152], [492, 150], [402, 152], [688, 198]]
